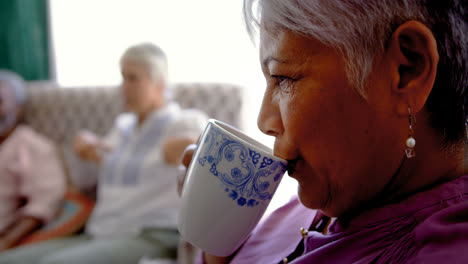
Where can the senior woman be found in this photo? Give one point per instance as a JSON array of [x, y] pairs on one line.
[[367, 101], [135, 214]]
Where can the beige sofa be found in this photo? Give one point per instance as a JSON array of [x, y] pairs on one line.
[[59, 112]]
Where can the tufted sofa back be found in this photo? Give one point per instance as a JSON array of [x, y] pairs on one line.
[[59, 113]]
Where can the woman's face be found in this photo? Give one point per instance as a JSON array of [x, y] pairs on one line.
[[341, 150], [140, 92]]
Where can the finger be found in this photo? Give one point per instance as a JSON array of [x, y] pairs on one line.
[[181, 178], [188, 154]]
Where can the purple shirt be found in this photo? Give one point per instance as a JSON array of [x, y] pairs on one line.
[[428, 227]]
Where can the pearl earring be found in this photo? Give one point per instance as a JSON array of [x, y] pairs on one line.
[[411, 142]]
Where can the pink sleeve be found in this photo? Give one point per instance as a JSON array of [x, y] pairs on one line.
[[42, 178]]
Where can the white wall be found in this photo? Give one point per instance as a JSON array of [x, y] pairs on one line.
[[205, 41]]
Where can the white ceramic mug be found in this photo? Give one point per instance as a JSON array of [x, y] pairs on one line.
[[230, 182]]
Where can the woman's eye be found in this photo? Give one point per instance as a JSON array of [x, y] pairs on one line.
[[132, 78], [283, 82]]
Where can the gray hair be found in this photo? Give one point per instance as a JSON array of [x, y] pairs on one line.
[[15, 82], [151, 57], [360, 29]]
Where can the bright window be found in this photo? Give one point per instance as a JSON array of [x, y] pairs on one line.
[[205, 41]]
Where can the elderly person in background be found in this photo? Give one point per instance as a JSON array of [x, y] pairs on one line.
[[139, 155], [32, 177], [367, 101], [135, 214]]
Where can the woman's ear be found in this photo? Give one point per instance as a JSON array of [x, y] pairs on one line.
[[412, 51]]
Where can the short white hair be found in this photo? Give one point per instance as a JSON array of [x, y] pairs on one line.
[[360, 29], [339, 24], [15, 82], [151, 57]]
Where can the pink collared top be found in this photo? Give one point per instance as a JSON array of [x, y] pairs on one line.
[[32, 179]]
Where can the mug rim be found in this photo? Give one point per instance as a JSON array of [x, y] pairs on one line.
[[239, 135]]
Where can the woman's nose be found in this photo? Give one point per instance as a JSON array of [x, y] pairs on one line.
[[269, 119]]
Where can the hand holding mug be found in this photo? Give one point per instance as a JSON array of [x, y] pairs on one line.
[[186, 159], [230, 181]]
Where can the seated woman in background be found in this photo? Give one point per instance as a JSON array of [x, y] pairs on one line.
[[139, 154], [368, 102], [136, 210], [32, 179]]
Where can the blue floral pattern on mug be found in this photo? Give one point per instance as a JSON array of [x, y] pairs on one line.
[[250, 175]]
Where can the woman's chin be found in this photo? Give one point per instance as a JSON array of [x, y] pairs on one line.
[[308, 198]]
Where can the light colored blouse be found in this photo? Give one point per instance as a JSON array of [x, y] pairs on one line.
[[136, 188]]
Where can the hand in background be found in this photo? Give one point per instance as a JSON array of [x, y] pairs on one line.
[[3, 244], [174, 147], [18, 231], [186, 158], [88, 146]]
